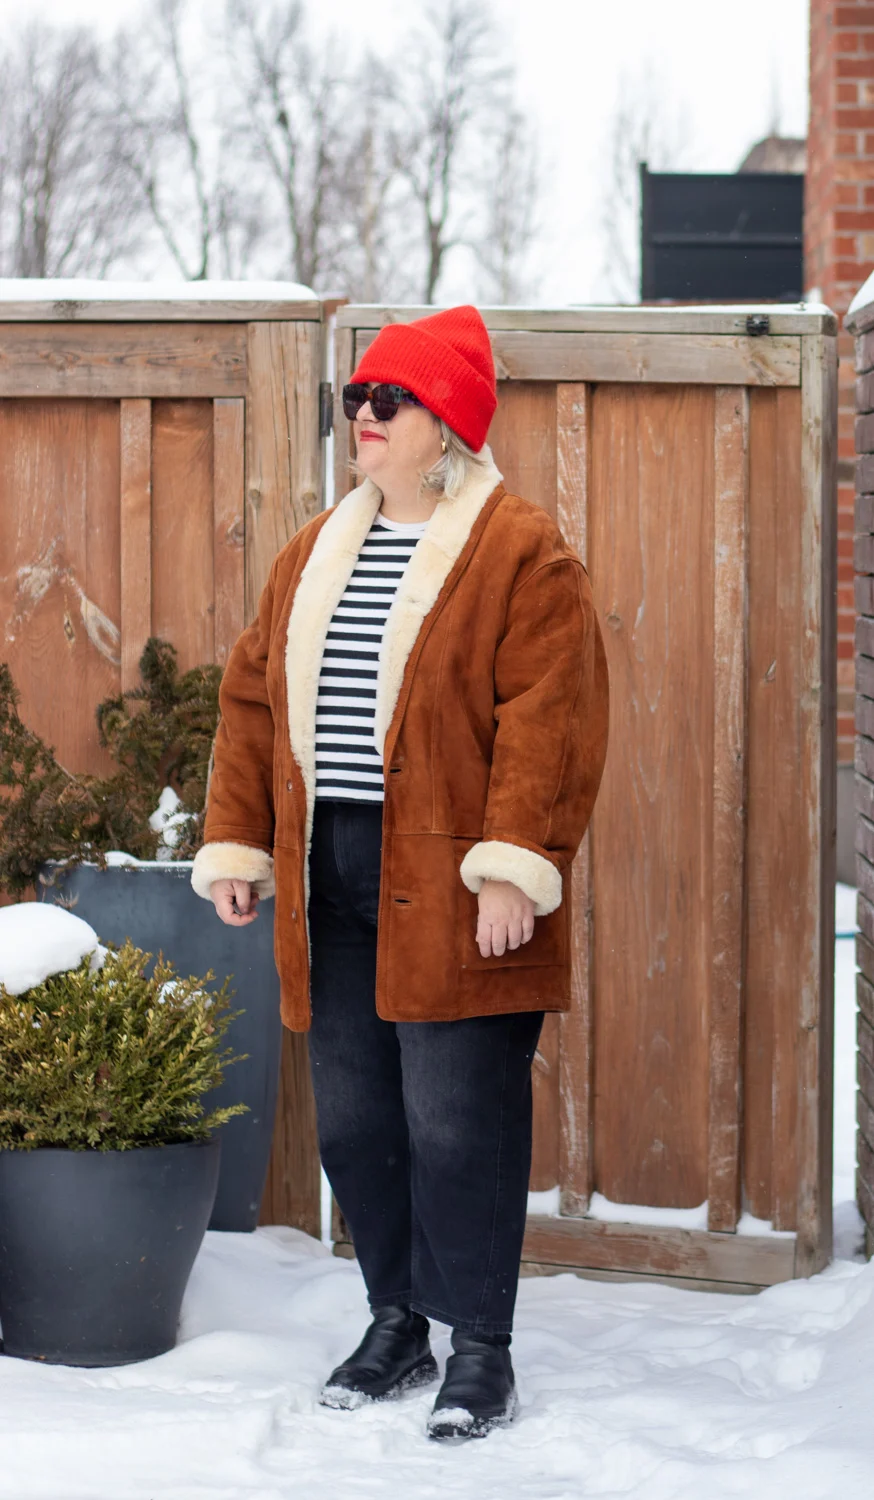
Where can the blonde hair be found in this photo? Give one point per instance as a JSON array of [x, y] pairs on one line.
[[455, 467]]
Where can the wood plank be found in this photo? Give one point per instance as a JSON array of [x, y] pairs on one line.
[[122, 360], [601, 319], [818, 775], [681, 1283], [777, 852], [293, 1191], [99, 603], [59, 599], [522, 438], [538, 1268], [545, 1083], [651, 548], [730, 609], [283, 491], [656, 1251], [184, 309], [344, 447], [183, 529], [693, 359], [573, 420], [283, 448], [228, 552], [135, 442]]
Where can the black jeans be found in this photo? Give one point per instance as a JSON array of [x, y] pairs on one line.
[[424, 1126]]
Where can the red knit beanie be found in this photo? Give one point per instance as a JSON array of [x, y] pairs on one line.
[[445, 360]]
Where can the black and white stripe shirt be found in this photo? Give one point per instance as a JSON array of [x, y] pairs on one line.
[[348, 764]]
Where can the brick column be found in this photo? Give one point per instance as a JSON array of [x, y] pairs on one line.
[[838, 255]]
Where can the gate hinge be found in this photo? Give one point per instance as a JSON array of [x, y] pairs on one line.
[[758, 324], [326, 408]]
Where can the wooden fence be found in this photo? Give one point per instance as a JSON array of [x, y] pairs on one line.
[[152, 463], [154, 456], [688, 455], [862, 325]]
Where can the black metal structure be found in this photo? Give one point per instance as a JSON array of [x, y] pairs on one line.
[[728, 235]]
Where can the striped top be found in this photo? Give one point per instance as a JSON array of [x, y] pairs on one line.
[[348, 763]]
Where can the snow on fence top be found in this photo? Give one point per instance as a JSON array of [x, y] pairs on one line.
[[50, 298]]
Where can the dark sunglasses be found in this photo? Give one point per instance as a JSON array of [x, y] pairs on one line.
[[384, 400]]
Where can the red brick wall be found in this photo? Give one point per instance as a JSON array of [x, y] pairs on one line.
[[839, 251]]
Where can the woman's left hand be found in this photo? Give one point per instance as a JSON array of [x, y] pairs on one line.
[[506, 917]]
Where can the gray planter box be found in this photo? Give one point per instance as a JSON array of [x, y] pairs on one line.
[[155, 906]]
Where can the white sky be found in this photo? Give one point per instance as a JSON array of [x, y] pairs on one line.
[[724, 69]]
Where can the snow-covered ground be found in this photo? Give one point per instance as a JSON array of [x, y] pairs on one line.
[[631, 1390]]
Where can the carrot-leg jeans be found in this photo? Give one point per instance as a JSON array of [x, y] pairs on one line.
[[424, 1126]]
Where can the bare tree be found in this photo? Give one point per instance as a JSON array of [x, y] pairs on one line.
[[643, 128], [62, 209], [511, 193], [379, 244], [173, 145], [293, 99], [457, 91]]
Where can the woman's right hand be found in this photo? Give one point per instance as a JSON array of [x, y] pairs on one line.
[[226, 893]]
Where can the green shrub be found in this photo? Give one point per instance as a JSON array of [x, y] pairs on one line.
[[112, 1059], [158, 734]]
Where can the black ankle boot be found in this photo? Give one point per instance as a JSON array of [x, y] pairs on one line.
[[478, 1393], [394, 1356]]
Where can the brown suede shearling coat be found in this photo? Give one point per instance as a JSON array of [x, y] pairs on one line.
[[492, 712]]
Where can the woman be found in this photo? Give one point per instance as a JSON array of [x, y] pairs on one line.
[[412, 736]]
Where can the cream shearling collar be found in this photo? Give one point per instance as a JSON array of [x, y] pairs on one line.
[[320, 587]]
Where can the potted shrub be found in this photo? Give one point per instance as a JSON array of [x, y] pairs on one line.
[[118, 849], [108, 1159]]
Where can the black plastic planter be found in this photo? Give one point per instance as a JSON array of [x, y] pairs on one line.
[[96, 1248], [155, 906]]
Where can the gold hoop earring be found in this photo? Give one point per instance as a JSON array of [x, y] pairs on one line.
[[443, 445]]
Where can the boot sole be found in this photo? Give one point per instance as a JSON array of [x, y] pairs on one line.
[[342, 1398], [455, 1425]]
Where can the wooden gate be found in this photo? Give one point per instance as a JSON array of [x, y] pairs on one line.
[[155, 454], [688, 456]]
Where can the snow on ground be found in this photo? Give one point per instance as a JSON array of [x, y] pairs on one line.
[[627, 1389]]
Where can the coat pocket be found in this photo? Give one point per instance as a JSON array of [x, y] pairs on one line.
[[548, 945]]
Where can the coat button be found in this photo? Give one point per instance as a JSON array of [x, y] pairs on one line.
[[289, 785]]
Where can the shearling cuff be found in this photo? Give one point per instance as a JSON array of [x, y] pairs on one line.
[[228, 861], [494, 859]]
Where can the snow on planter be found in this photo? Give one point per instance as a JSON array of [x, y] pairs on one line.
[[37, 940]]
